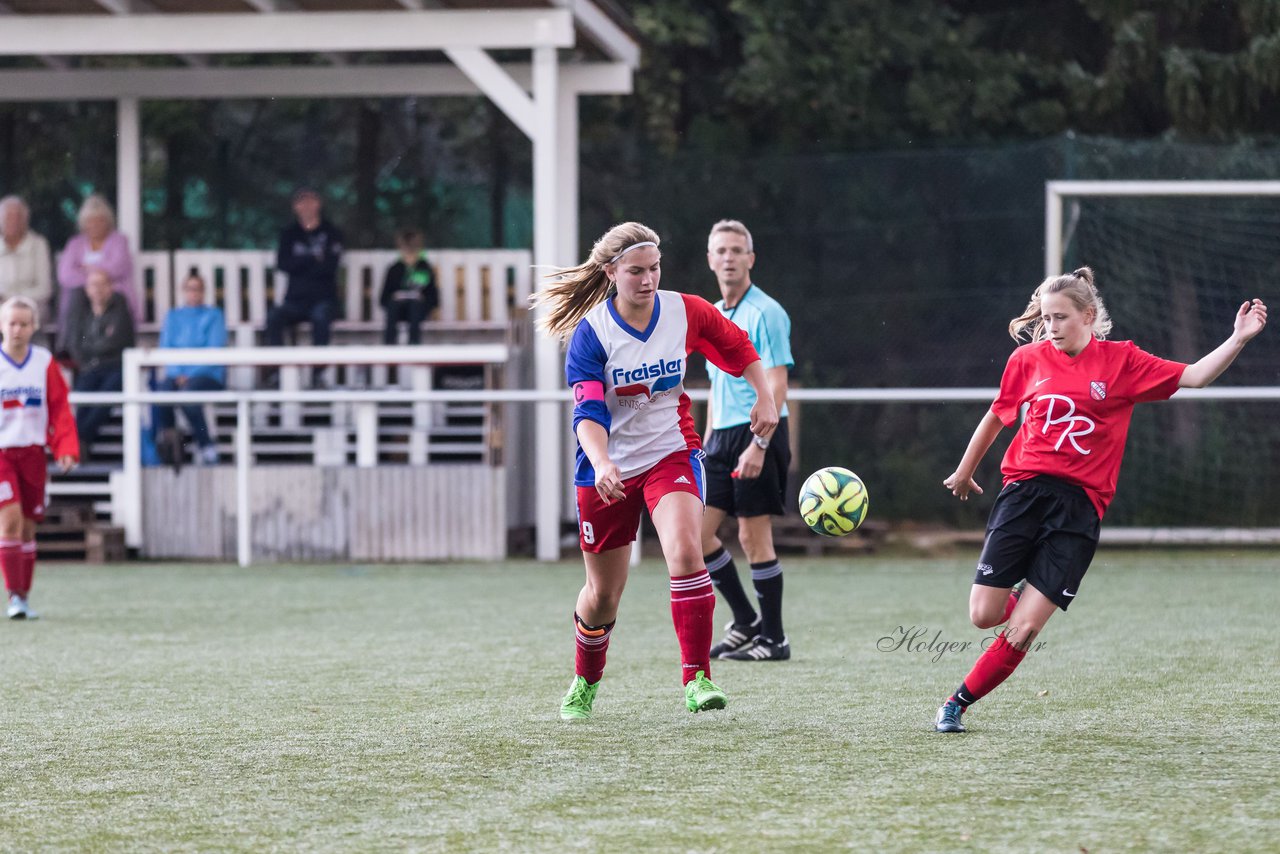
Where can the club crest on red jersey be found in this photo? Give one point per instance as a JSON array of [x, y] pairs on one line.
[[1098, 390]]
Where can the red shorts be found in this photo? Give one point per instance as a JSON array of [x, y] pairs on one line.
[[603, 527], [24, 477]]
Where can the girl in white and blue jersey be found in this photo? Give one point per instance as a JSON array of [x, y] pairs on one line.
[[629, 345], [34, 415]]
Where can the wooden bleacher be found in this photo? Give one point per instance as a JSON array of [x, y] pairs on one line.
[[484, 294]]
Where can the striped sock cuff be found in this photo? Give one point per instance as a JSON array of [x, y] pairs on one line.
[[10, 544], [765, 571], [592, 635], [718, 560], [589, 640], [29, 548], [692, 586]]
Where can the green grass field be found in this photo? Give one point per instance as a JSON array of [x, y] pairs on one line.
[[322, 707]]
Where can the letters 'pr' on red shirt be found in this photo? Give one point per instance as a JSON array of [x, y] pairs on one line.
[[1079, 410]]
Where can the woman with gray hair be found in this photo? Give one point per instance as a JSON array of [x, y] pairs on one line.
[[25, 266], [98, 246]]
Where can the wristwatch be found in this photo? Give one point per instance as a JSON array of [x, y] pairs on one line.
[[760, 442]]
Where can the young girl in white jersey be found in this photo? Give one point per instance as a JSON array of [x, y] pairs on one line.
[[637, 444], [33, 413], [1060, 471]]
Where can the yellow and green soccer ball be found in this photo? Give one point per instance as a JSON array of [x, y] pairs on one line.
[[833, 502]]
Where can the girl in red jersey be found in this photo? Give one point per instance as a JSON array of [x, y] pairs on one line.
[[1060, 470], [33, 413], [637, 445]]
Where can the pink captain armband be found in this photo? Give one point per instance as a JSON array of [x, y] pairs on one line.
[[588, 390]]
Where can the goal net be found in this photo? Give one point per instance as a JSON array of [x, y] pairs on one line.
[[1174, 261]]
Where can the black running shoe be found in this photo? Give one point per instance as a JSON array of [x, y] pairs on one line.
[[948, 719], [736, 637], [762, 650]]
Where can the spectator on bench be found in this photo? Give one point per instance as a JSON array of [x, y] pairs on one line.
[[99, 329], [98, 246], [409, 293], [308, 252], [192, 324], [25, 266]]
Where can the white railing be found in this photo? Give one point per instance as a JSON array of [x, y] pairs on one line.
[[126, 500], [419, 361], [478, 286]]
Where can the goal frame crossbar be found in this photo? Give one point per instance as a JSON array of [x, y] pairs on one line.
[[1056, 191]]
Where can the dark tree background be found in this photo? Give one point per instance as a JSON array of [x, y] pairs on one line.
[[889, 155]]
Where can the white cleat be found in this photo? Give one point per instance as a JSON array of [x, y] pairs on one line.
[[18, 609]]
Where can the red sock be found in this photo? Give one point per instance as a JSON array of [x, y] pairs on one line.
[[11, 565], [992, 667], [693, 602], [28, 567], [592, 643], [1008, 608]]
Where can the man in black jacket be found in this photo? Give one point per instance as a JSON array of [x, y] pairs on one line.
[[309, 252]]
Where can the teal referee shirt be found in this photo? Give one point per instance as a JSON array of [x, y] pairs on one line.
[[769, 327]]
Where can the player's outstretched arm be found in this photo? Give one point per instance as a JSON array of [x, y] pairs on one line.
[[764, 414], [961, 481], [1250, 320]]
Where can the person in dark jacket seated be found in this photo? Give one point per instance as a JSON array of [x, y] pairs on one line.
[[309, 252], [409, 293], [99, 329]]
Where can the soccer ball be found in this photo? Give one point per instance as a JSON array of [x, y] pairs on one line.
[[833, 501]]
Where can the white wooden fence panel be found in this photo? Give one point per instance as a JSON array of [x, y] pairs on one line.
[[154, 266], [395, 513]]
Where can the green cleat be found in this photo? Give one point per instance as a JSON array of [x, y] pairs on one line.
[[576, 705], [701, 694]]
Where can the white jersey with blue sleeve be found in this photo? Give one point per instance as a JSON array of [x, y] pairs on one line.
[[769, 327], [631, 381]]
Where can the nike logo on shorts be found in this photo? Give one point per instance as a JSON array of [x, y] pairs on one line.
[[1068, 595], [1045, 380]]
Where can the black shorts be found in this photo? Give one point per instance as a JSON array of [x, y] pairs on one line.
[[760, 496], [1044, 530]]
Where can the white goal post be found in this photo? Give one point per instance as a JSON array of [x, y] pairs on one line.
[[1061, 223], [1056, 191]]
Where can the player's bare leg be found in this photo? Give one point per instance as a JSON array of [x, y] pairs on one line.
[[678, 519], [594, 616], [12, 528], [998, 662]]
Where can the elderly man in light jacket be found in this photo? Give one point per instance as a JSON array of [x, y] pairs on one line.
[[26, 268]]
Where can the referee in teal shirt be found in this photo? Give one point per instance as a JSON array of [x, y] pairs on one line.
[[746, 474]]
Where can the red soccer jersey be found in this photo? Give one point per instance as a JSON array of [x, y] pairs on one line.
[[1079, 410]]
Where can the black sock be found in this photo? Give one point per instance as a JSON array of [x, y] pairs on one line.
[[724, 575], [767, 578]]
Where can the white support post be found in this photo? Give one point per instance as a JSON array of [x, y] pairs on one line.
[[366, 434], [244, 511], [129, 173], [131, 443], [546, 208], [496, 83], [423, 413], [1052, 230], [290, 380], [567, 157]]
